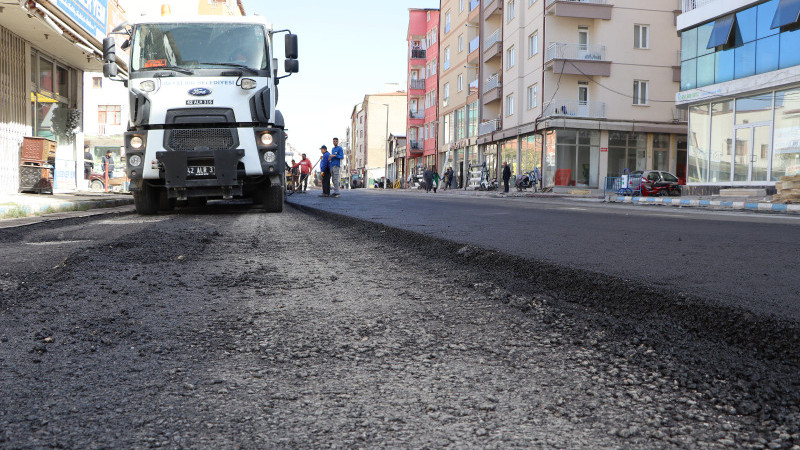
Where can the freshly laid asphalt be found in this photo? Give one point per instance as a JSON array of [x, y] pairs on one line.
[[734, 259]]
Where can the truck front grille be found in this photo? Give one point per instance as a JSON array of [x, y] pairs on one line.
[[213, 138]]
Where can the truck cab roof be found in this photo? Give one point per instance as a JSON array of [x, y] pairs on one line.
[[257, 20]]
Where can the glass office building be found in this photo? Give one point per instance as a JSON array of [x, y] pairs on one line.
[[740, 80]]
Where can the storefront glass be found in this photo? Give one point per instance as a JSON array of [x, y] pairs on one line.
[[549, 171], [531, 153], [786, 144], [661, 152], [577, 158], [508, 154], [719, 168], [626, 151], [490, 158], [699, 124]]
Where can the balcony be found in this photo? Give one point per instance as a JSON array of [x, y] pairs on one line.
[[473, 87], [492, 7], [489, 126], [493, 47], [492, 89], [491, 83], [577, 109], [689, 5], [416, 84], [582, 9], [474, 44], [418, 53], [680, 114], [417, 115], [577, 59], [414, 146]]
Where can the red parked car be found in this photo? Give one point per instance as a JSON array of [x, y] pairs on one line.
[[659, 183]]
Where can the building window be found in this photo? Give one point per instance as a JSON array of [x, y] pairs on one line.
[[429, 17], [460, 82], [510, 104], [446, 96], [641, 36], [531, 2], [532, 96], [460, 43], [97, 82], [511, 55], [639, 92], [446, 58], [447, 22], [533, 44], [460, 6], [511, 14], [109, 114]]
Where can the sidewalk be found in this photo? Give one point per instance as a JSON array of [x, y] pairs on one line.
[[596, 195], [26, 205]]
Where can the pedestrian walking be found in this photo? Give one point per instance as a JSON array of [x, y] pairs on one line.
[[336, 157], [506, 176], [305, 166], [435, 179], [295, 175], [325, 172], [448, 178], [108, 165], [427, 178], [88, 163]]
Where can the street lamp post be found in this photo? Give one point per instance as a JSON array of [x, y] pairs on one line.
[[386, 142]]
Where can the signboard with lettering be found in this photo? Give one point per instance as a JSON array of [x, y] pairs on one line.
[[91, 15]]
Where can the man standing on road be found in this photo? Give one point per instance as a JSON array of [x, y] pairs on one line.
[[108, 165], [427, 178], [506, 176], [305, 169], [325, 172], [337, 155]]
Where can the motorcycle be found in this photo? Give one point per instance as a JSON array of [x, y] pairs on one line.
[[486, 183], [528, 180]]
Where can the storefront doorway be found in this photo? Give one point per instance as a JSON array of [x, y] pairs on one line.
[[751, 152]]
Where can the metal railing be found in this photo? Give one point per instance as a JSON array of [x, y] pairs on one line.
[[416, 84], [596, 2], [493, 38], [414, 145], [418, 53], [416, 114], [491, 83], [474, 44], [473, 86], [689, 5], [474, 4], [561, 50], [680, 114], [488, 127], [573, 108]]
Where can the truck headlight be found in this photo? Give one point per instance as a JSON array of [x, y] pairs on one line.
[[248, 84], [135, 160], [147, 86], [269, 157], [136, 142], [266, 139]]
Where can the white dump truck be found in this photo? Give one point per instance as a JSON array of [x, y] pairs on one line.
[[204, 123]]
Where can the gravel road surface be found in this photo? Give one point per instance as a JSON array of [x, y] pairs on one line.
[[228, 328]]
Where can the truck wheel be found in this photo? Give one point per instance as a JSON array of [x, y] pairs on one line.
[[273, 199], [146, 200], [164, 202], [196, 202]]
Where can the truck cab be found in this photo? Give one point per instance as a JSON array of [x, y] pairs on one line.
[[204, 123]]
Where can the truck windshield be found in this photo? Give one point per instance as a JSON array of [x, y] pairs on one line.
[[199, 45]]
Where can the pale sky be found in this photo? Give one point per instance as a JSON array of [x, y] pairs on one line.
[[348, 48]]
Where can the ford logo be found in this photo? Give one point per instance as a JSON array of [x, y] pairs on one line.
[[199, 92]]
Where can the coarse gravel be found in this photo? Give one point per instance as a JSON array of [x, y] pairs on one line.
[[228, 328]]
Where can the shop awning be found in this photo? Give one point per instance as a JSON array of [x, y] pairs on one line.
[[788, 12], [721, 34]]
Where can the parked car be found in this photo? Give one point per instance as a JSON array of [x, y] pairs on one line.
[[658, 182]]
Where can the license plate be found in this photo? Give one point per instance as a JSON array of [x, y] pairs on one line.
[[200, 170]]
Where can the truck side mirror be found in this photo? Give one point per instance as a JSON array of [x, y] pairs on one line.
[[110, 70], [109, 50], [291, 66], [290, 46]]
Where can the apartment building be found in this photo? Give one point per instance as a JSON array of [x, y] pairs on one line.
[[373, 121], [580, 89], [459, 54], [740, 80], [423, 87]]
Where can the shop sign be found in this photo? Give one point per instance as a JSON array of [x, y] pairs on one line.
[[603, 149], [91, 15]]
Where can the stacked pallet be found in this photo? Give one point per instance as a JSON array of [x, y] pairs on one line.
[[788, 190]]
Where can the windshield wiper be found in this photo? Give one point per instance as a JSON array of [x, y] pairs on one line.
[[227, 64], [173, 68]]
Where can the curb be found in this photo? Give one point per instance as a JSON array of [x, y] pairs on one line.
[[62, 206], [746, 206]]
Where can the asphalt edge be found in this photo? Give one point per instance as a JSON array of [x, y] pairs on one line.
[[63, 206], [693, 314], [717, 204]]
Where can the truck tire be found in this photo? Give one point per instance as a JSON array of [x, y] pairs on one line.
[[273, 199], [146, 200], [196, 202]]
